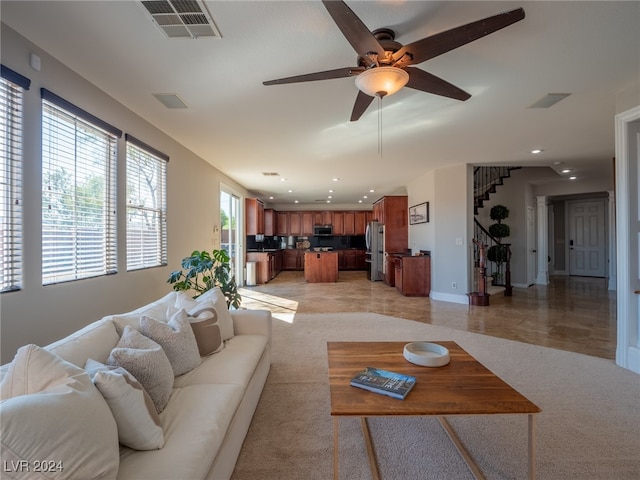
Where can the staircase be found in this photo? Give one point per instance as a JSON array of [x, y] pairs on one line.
[[485, 182]]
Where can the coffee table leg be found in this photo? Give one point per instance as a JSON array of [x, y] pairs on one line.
[[335, 448], [373, 465], [532, 447], [475, 471]]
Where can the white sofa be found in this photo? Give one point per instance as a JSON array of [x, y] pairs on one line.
[[208, 413]]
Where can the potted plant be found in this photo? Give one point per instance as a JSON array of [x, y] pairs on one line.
[[498, 253], [202, 271]]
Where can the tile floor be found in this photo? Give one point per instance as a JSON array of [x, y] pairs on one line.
[[577, 314]]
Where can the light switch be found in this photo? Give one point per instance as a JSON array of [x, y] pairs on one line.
[[459, 241]]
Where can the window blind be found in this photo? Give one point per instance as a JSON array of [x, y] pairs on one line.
[[146, 205], [79, 157], [11, 92]]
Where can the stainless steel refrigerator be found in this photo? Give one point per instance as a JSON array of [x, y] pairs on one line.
[[374, 237]]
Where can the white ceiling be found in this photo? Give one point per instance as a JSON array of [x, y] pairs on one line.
[[302, 131]]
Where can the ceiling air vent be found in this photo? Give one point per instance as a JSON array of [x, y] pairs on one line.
[[182, 18], [549, 100], [271, 174]]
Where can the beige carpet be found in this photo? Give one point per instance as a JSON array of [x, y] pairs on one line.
[[589, 427]]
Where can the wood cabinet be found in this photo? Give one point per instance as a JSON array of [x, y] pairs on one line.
[[394, 212], [413, 275], [293, 260], [282, 223], [323, 218], [321, 267], [270, 222], [360, 222], [254, 212], [349, 223], [268, 265], [307, 223], [295, 223], [338, 223]]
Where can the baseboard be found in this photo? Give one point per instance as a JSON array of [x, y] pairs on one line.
[[449, 297]]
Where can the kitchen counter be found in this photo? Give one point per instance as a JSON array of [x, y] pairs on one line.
[[321, 266]]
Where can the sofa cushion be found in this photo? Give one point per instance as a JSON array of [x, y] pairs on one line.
[[234, 365], [162, 309], [51, 410], [176, 339], [204, 323], [138, 422], [213, 298], [195, 423], [147, 362], [95, 340]]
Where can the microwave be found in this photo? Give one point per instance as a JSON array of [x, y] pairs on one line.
[[323, 230]]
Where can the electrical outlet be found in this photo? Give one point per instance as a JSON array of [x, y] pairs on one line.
[[454, 285]]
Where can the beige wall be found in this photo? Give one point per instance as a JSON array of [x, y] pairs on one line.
[[41, 314]]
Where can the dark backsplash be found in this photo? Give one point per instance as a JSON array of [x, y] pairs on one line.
[[335, 242]]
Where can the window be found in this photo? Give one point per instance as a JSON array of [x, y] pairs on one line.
[[12, 85], [146, 206], [79, 194]]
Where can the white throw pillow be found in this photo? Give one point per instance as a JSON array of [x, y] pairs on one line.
[[51, 412], [147, 362], [139, 425], [215, 298], [204, 323], [176, 339]]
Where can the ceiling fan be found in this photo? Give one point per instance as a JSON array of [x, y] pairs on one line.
[[384, 65]]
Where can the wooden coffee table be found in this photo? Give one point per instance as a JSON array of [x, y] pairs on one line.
[[463, 387]]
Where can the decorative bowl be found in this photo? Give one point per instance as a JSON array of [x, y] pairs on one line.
[[426, 354]]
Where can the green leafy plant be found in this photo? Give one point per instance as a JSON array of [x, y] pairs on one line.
[[202, 271], [499, 230]]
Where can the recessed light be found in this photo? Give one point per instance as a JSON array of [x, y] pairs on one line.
[[283, 179], [371, 191], [295, 201], [290, 191], [328, 201], [335, 179], [359, 201], [270, 198], [364, 196], [536, 151], [566, 170], [331, 191], [329, 196], [572, 177]]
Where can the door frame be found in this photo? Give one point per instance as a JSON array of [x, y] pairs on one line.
[[605, 231], [628, 350], [240, 231]]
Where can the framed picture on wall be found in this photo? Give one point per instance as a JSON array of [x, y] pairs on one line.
[[419, 213]]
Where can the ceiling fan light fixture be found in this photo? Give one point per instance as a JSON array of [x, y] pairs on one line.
[[381, 81]]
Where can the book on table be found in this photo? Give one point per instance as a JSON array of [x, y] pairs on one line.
[[396, 385]]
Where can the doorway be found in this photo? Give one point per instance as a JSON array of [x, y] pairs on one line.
[[587, 238], [230, 219]]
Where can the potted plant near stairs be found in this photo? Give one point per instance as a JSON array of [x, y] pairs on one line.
[[499, 253], [202, 271]]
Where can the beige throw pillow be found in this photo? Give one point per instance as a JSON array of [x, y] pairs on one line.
[[204, 323], [51, 411], [147, 362], [138, 422], [176, 339], [215, 298]]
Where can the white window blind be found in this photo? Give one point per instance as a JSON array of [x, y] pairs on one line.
[[146, 205], [12, 85], [79, 193]]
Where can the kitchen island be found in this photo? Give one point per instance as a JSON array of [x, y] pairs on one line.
[[321, 266]]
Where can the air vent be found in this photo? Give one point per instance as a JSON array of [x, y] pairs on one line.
[[549, 100], [271, 174], [182, 18], [170, 100]]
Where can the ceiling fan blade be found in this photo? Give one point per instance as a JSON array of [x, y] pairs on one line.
[[362, 103], [326, 75], [426, 82], [356, 32], [443, 42]]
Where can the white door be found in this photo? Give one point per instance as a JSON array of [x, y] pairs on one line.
[[531, 246], [230, 233], [587, 238]]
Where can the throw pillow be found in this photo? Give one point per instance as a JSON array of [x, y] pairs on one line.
[[176, 339], [147, 362], [138, 422], [51, 411], [204, 323], [216, 297]]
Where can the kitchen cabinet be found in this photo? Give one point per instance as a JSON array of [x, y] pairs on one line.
[[361, 260], [282, 223], [254, 212], [295, 223], [268, 265], [349, 223], [413, 275], [293, 259], [394, 212], [269, 222], [360, 222], [307, 223], [323, 218], [350, 260], [321, 267], [338, 223]]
